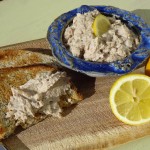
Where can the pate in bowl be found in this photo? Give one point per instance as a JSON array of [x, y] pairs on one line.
[[120, 50]]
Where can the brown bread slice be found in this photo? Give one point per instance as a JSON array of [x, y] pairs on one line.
[[19, 58], [14, 77]]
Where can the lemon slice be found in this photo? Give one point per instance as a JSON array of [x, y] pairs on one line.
[[130, 99], [100, 25]]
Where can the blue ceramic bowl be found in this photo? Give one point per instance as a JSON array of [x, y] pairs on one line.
[[128, 64]]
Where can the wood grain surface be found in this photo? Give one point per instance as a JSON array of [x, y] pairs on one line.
[[86, 126]]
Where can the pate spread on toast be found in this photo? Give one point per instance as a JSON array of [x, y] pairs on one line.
[[22, 87]]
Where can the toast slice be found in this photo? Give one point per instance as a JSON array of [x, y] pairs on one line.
[[19, 58], [18, 78]]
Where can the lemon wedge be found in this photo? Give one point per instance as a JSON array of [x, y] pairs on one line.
[[130, 99], [100, 25], [147, 68]]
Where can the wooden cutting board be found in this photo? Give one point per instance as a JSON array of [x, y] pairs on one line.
[[86, 126]]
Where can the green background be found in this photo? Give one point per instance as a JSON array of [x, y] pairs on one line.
[[25, 20]]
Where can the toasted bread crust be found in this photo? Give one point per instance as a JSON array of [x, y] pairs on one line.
[[19, 58]]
